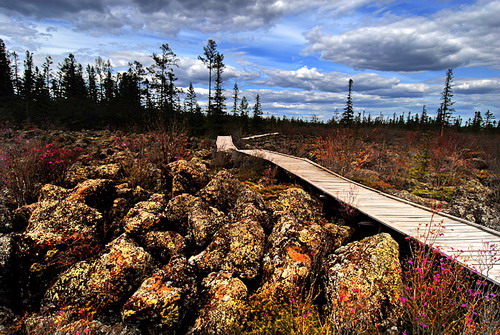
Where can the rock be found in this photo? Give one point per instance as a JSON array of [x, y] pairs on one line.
[[223, 306], [6, 220], [296, 202], [7, 321], [250, 206], [203, 154], [237, 248], [298, 241], [188, 177], [143, 216], [477, 203], [107, 171], [52, 192], [477, 163], [163, 244], [6, 262], [177, 211], [203, 222], [163, 300], [222, 191], [363, 282], [97, 193], [59, 324], [97, 284], [77, 173], [21, 216], [60, 233], [132, 195], [117, 212]]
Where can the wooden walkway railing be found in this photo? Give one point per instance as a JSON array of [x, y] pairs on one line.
[[471, 244]]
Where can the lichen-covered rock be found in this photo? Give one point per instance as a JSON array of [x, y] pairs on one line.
[[6, 220], [299, 239], [362, 280], [223, 306], [236, 248], [203, 222], [298, 203], [144, 215], [79, 172], [60, 233], [177, 211], [52, 192], [477, 203], [100, 283], [222, 191], [7, 321], [21, 216], [61, 323], [163, 300], [97, 193], [132, 195], [163, 244], [6, 262], [107, 171], [250, 206], [188, 177]]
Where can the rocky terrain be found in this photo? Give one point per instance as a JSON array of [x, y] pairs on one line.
[[194, 250]]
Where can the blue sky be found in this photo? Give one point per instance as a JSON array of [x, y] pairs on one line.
[[298, 55]]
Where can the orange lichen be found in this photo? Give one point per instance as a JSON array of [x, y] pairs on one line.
[[298, 256]]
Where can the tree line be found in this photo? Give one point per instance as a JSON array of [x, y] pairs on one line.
[[443, 119], [95, 96], [69, 95]]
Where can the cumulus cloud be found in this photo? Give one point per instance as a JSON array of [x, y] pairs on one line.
[[307, 78], [448, 39]]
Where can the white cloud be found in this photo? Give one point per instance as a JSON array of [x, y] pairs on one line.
[[447, 39]]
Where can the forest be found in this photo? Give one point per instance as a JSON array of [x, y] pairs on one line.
[[70, 96]]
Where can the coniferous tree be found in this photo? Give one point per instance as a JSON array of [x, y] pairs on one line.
[[6, 86], [47, 73], [210, 52], [28, 77], [72, 82], [15, 69], [446, 109], [190, 103], [348, 114], [243, 108], [257, 113], [235, 99], [163, 82], [219, 105], [490, 119], [92, 84]]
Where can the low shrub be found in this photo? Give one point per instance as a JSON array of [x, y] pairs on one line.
[[443, 297], [27, 164]]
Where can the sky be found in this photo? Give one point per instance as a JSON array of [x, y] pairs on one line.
[[297, 55]]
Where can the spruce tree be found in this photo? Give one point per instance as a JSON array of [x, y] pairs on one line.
[[348, 114], [72, 82], [446, 109], [6, 86], [210, 53], [235, 99], [163, 82], [219, 105], [190, 102]]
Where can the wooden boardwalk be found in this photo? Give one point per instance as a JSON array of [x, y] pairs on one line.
[[471, 244]]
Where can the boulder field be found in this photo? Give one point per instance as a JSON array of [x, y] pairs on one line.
[[106, 258]]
